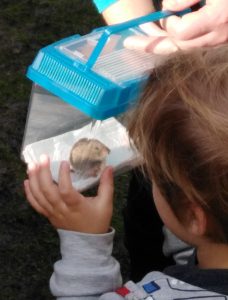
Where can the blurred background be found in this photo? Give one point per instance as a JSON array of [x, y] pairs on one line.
[[28, 244]]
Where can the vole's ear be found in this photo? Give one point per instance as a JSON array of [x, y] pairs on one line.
[[72, 170], [108, 150]]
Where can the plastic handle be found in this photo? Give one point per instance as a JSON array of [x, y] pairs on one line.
[[109, 30]]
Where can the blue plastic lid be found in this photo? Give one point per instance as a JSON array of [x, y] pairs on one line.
[[95, 73]]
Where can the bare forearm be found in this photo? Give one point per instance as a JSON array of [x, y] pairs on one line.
[[124, 10]]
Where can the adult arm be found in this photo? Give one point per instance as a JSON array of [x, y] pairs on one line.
[[124, 10]]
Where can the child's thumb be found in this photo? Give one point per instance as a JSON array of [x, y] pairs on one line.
[[106, 186]]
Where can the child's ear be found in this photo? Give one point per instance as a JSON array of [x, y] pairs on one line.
[[197, 220]]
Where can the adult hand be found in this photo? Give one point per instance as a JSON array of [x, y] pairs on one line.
[[205, 27], [64, 206]]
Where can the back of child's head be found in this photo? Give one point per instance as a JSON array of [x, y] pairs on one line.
[[180, 127]]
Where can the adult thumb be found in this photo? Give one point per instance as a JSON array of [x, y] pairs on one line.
[[176, 5]]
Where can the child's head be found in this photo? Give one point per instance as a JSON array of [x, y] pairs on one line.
[[181, 129]]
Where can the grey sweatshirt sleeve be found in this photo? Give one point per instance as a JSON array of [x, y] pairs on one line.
[[87, 270]]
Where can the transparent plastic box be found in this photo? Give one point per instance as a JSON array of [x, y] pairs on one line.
[[53, 128], [81, 88]]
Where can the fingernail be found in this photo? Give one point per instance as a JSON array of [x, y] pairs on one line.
[[43, 158], [31, 166]]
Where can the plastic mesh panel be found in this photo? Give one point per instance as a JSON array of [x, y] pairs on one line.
[[72, 81]]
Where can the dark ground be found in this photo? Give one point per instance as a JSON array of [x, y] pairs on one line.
[[28, 244]]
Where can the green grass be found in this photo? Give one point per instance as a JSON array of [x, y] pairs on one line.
[[28, 244]]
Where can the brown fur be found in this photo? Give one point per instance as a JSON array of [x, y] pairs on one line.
[[88, 157]]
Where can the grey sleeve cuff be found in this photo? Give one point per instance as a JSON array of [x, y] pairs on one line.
[[87, 268]]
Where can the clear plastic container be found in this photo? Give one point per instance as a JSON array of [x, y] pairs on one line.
[[62, 132], [115, 62], [80, 85]]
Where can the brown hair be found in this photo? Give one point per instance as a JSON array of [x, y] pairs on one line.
[[180, 127]]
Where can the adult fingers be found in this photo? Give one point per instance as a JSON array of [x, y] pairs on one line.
[[106, 186], [214, 38], [33, 174], [33, 201], [154, 34], [152, 29], [162, 46], [176, 5], [191, 25], [137, 42], [157, 45], [167, 45], [69, 195]]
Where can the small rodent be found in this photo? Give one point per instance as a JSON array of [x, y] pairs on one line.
[[88, 157]]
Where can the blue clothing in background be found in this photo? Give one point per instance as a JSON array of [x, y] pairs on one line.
[[103, 4]]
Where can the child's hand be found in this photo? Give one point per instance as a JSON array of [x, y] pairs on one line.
[[63, 205]]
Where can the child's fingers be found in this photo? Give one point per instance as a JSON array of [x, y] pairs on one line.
[[106, 186], [33, 201], [35, 188], [68, 193], [45, 178], [65, 183], [46, 184]]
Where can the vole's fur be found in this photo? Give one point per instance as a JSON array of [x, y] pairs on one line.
[[88, 156]]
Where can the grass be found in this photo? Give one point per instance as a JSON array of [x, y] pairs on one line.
[[28, 244]]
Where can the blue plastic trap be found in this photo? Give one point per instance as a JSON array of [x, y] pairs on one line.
[[95, 73]]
